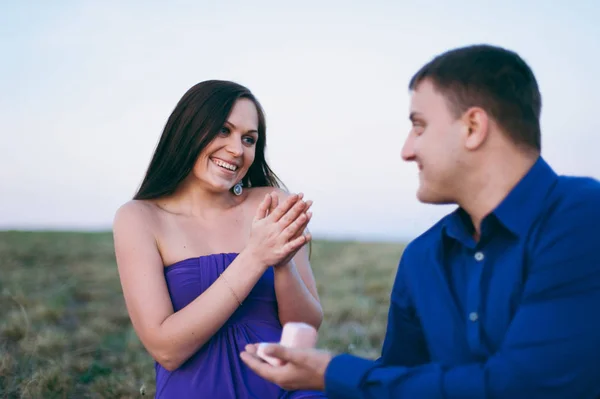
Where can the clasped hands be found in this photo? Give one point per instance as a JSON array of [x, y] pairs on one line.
[[279, 229]]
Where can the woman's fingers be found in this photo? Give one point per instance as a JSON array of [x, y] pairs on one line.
[[284, 207], [261, 211], [274, 202], [294, 213], [297, 227]]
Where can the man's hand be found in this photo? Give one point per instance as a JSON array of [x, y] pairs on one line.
[[301, 369]]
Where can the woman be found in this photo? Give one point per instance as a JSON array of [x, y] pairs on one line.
[[211, 252]]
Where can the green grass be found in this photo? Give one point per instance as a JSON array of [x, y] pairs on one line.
[[65, 333]]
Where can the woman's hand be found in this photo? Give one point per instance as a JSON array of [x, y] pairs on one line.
[[308, 204], [278, 231]]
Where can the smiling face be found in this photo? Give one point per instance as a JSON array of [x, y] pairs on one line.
[[435, 144], [227, 158]]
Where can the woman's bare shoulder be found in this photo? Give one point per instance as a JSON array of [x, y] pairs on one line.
[[136, 214], [139, 208], [259, 193]]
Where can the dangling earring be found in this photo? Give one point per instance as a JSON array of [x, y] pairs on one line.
[[237, 189]]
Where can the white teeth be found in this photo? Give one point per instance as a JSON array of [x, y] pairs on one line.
[[224, 164]]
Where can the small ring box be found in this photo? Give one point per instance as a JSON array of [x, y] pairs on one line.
[[294, 335]]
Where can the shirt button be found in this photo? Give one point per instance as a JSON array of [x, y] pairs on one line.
[[479, 256], [473, 316]]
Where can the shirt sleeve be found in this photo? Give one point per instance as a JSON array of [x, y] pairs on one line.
[[404, 340], [551, 349]]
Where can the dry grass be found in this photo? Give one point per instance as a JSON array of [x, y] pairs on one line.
[[65, 333]]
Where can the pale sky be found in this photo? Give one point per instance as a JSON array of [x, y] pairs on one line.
[[87, 86]]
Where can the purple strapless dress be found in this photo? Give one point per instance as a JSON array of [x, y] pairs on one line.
[[216, 371]]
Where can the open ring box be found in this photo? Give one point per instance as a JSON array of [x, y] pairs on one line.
[[294, 335]]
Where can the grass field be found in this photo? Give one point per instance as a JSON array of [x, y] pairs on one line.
[[65, 333]]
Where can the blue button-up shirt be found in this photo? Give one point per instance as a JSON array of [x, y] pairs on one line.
[[513, 315]]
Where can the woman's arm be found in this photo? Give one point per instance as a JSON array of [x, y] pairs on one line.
[[172, 337], [295, 287], [296, 290]]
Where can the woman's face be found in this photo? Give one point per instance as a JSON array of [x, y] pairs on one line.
[[227, 158]]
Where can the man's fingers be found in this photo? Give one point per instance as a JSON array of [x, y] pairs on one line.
[[284, 353], [251, 348], [257, 365]]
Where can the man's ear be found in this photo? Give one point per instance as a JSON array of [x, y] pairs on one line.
[[476, 124]]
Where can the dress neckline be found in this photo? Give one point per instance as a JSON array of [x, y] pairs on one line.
[[197, 258]]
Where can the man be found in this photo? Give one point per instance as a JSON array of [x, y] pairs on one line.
[[500, 298]]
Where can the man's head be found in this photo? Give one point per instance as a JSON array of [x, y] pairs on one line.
[[466, 104]]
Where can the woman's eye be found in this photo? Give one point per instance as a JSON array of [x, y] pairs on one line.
[[250, 140], [224, 130]]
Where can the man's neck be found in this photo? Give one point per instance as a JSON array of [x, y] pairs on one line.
[[492, 182]]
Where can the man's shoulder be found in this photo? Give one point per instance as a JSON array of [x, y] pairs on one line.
[[574, 195], [577, 188], [429, 239], [569, 220]]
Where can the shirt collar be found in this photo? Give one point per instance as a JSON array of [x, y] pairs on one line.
[[523, 204], [518, 209]]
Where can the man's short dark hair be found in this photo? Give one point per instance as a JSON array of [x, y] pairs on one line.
[[493, 78]]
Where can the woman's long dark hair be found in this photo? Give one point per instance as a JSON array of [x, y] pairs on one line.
[[193, 124]]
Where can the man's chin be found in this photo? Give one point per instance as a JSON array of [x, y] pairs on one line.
[[432, 199]]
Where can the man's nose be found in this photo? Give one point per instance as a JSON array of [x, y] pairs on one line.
[[408, 149]]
